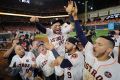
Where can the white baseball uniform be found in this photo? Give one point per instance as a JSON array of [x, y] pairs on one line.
[[116, 48], [76, 71], [25, 62], [59, 71], [58, 40], [99, 70], [44, 62]]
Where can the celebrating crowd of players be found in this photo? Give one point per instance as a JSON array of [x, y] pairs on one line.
[[64, 57]]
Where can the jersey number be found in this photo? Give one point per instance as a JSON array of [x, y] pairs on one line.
[[69, 75], [27, 70]]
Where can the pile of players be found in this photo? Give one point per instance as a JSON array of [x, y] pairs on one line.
[[64, 57]]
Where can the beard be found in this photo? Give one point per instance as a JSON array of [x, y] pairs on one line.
[[68, 50]]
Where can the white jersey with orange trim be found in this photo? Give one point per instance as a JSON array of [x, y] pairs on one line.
[[25, 62], [99, 70], [76, 71], [44, 62], [58, 40]]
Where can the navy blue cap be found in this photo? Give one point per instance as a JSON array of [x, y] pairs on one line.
[[72, 40], [55, 21]]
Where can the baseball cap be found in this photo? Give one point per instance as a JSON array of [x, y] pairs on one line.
[[55, 21], [72, 40], [40, 43]]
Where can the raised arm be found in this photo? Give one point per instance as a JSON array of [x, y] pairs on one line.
[[68, 9], [9, 51], [80, 33], [39, 26], [78, 28]]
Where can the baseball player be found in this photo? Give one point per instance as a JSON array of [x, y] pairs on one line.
[[73, 71], [116, 39], [34, 49], [56, 34], [98, 64], [44, 61], [76, 58], [25, 61]]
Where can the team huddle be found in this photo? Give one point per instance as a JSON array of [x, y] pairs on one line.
[[64, 57]]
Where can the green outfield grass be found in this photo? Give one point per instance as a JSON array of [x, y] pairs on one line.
[[101, 32], [98, 33], [40, 35]]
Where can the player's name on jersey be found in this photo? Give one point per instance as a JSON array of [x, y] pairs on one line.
[[93, 71]]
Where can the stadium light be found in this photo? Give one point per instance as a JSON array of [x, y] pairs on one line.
[[24, 15], [86, 5]]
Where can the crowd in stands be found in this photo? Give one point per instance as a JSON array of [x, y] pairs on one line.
[[16, 28], [99, 21]]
